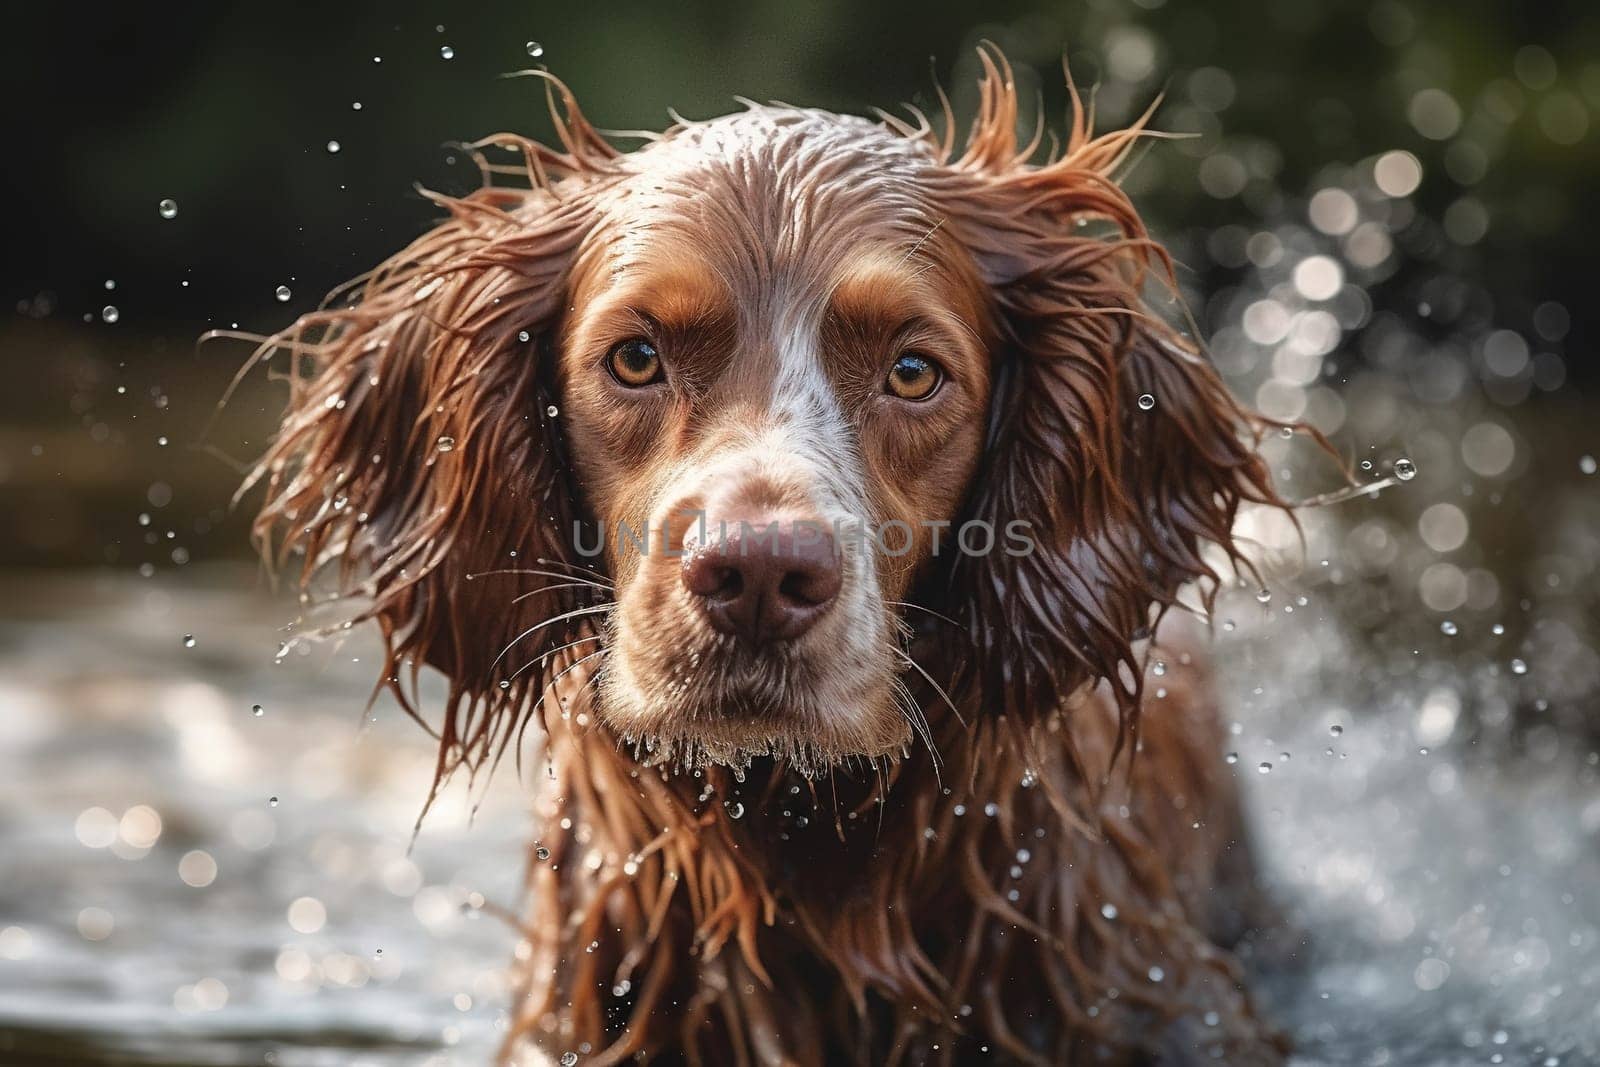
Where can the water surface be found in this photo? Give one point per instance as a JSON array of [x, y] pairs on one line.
[[1449, 895]]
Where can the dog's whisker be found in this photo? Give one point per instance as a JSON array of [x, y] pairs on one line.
[[576, 567], [919, 724], [914, 665], [597, 609], [920, 607], [602, 583], [912, 712], [546, 657], [533, 711], [522, 726], [520, 597]]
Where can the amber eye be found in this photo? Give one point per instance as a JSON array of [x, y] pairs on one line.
[[634, 363], [914, 377]]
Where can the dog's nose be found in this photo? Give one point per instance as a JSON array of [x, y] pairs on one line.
[[766, 580]]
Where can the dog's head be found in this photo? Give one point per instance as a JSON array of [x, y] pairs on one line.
[[728, 415]]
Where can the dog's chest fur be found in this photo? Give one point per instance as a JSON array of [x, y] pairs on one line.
[[891, 915]]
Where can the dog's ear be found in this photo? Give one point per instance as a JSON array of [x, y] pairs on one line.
[[420, 460], [1110, 436]]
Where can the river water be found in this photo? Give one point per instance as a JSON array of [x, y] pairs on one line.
[[185, 881]]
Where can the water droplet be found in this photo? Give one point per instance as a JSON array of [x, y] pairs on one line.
[[1264, 596], [257, 710], [1156, 974], [1108, 910], [1232, 757], [735, 809], [378, 952], [109, 313], [1404, 469], [355, 105], [1448, 628], [541, 853], [552, 411], [535, 49], [168, 209], [162, 441], [272, 801], [446, 443], [283, 294], [523, 335], [447, 52], [1336, 730], [1146, 402], [1497, 629], [188, 640], [1588, 465], [569, 1059], [1264, 768], [333, 147], [1159, 669], [1519, 667]]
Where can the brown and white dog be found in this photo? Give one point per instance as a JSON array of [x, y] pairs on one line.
[[850, 756]]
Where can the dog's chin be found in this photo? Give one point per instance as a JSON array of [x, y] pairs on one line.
[[691, 730]]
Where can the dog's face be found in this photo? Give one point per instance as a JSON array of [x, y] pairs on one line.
[[776, 363], [774, 380]]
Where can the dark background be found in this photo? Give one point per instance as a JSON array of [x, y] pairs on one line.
[[227, 109]]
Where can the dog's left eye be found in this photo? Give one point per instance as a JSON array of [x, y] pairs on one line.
[[914, 377], [635, 363]]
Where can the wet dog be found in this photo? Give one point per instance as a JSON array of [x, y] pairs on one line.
[[812, 484]]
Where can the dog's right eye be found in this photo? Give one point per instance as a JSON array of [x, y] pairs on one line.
[[635, 363], [914, 377]]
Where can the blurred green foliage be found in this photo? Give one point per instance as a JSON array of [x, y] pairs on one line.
[[228, 108]]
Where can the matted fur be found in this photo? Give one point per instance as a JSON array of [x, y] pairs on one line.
[[1015, 894]]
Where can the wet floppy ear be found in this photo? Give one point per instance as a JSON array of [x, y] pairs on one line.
[[420, 456], [1110, 435], [1122, 451]]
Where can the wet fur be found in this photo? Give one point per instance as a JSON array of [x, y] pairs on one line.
[[811, 894]]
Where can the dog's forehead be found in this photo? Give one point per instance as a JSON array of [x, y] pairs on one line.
[[791, 144], [772, 193]]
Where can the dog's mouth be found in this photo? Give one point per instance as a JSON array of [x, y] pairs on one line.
[[715, 702]]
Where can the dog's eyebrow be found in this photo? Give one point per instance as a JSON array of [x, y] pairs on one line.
[[890, 290], [678, 296]]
